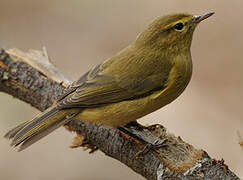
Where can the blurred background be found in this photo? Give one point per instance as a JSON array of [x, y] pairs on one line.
[[81, 33]]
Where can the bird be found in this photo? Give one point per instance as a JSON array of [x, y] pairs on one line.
[[147, 75]]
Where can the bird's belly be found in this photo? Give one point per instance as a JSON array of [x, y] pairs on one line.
[[121, 113]]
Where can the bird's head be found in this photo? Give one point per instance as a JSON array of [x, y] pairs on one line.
[[172, 31]]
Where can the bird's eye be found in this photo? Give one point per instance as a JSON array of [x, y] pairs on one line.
[[179, 26]]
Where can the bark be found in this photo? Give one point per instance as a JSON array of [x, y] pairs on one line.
[[23, 76]]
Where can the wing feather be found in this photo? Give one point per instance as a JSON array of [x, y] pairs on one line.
[[105, 84]]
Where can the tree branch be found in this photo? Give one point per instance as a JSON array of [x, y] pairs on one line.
[[38, 85]]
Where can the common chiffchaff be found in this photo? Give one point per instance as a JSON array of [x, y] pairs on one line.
[[147, 75]]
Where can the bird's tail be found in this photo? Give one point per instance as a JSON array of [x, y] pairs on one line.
[[31, 131]]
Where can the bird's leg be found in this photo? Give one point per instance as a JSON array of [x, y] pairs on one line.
[[152, 146], [144, 136]]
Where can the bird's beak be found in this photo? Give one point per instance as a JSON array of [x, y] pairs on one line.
[[198, 19]]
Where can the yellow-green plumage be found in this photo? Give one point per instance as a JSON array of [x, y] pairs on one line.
[[145, 76]]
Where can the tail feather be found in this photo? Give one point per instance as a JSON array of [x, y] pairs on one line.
[[31, 131], [11, 134], [14, 131], [42, 134], [34, 126]]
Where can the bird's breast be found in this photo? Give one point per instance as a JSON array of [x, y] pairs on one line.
[[179, 77]]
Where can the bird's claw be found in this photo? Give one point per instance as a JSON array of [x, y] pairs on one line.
[[149, 146]]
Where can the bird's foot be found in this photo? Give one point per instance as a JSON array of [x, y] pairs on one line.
[[152, 146], [143, 135]]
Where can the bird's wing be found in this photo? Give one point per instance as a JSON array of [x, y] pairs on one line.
[[97, 87]]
